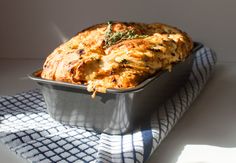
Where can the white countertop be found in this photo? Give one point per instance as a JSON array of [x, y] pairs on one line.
[[211, 120]]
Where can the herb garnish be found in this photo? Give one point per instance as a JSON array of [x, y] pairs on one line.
[[112, 38]]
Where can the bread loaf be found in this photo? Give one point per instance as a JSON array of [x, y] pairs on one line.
[[117, 55]]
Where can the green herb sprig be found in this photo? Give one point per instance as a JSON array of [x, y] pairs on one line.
[[112, 38]]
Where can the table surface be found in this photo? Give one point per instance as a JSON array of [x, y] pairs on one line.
[[210, 120]]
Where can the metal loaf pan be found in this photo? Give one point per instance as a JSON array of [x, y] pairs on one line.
[[118, 111]]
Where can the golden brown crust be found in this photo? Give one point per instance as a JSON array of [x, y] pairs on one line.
[[86, 59]]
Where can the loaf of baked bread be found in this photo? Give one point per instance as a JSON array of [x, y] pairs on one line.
[[117, 55]]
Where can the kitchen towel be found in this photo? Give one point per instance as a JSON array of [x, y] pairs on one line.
[[28, 130]]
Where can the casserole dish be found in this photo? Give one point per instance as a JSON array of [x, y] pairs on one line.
[[117, 111]]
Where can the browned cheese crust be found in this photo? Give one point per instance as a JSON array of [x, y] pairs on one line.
[[87, 59]]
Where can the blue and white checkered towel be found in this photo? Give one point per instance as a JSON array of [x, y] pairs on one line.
[[27, 129]]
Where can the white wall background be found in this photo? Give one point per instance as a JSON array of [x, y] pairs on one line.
[[32, 29]]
